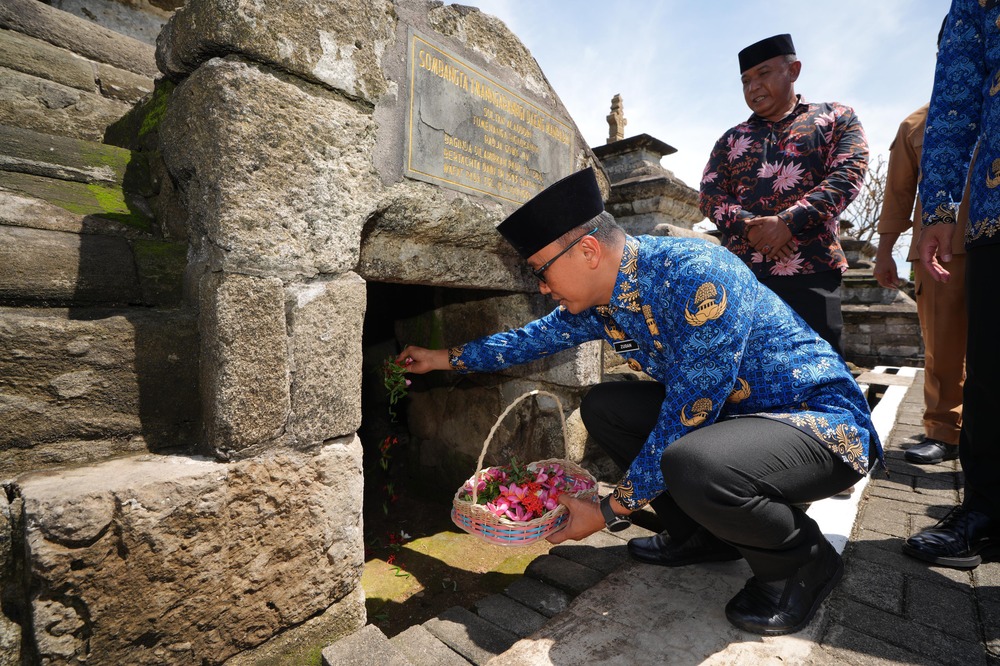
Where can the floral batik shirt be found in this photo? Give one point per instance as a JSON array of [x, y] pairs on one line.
[[965, 111], [694, 318], [805, 168]]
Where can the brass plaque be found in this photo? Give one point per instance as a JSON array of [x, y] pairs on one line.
[[468, 132]]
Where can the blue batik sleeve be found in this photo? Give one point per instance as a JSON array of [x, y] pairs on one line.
[[555, 332]]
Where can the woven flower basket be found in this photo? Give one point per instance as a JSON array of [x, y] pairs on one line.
[[476, 519]]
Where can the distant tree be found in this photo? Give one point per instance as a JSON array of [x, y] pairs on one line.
[[863, 212]]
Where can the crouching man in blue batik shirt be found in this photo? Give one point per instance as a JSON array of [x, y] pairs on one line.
[[751, 413]]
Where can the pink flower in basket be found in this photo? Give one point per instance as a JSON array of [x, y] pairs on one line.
[[499, 507], [523, 493]]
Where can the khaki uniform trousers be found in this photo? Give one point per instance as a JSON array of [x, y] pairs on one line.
[[943, 324]]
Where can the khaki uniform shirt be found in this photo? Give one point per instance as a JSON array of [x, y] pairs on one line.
[[901, 178]]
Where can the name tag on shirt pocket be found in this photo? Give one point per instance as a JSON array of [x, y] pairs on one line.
[[624, 346]]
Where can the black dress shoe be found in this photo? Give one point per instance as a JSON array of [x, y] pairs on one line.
[[932, 451], [957, 540], [786, 606], [701, 546]]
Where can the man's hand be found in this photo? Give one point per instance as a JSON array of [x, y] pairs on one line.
[[771, 237], [885, 272], [935, 243], [885, 264], [584, 519], [419, 360]]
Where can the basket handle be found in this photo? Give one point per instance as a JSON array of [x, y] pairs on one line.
[[489, 437]]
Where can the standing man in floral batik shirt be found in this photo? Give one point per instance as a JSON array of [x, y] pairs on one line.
[[776, 184]]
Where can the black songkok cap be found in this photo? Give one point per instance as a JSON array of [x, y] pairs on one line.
[[560, 207], [765, 49]]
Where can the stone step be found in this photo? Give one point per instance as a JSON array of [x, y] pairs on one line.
[[40, 21], [563, 574], [422, 648], [38, 58], [470, 635], [538, 596], [458, 637], [35, 202], [866, 289], [95, 374], [367, 647], [504, 612], [26, 151], [60, 269], [108, 202]]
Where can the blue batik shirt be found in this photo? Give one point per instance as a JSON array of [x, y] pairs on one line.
[[722, 345], [965, 113]]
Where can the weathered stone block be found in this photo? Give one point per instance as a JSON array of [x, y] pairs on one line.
[[423, 236], [38, 266], [33, 103], [161, 266], [121, 84], [339, 45], [20, 210], [277, 172], [64, 30], [298, 644], [368, 647], [325, 320], [172, 560], [38, 58], [244, 362], [93, 375]]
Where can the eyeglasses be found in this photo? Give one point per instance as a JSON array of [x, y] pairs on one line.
[[540, 271]]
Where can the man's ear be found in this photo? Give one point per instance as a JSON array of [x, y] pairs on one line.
[[794, 69], [592, 250]]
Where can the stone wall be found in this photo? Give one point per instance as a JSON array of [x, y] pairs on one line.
[[881, 326], [284, 138]]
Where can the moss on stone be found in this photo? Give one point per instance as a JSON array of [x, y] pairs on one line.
[[100, 154], [79, 198], [155, 108], [137, 129]]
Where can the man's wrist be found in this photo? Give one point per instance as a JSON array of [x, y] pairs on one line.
[[614, 520]]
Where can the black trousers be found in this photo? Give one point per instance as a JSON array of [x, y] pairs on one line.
[[738, 478], [816, 298], [979, 442]]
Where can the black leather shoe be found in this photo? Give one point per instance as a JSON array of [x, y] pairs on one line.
[[957, 540], [786, 606], [701, 546], [931, 452]]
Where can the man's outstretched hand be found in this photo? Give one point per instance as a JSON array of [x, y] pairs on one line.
[[419, 360]]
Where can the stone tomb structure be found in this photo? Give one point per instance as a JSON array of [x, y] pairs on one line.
[[311, 165]]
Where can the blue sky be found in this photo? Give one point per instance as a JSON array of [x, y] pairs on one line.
[[674, 61]]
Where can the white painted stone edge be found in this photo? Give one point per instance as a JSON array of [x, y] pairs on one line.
[[836, 515]]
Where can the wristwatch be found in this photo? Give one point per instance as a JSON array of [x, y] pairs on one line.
[[612, 520]]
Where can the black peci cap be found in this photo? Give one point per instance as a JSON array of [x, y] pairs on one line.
[[766, 49], [560, 207]]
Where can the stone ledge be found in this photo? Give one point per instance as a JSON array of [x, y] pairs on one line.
[[422, 648], [368, 647], [64, 30], [470, 635]]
